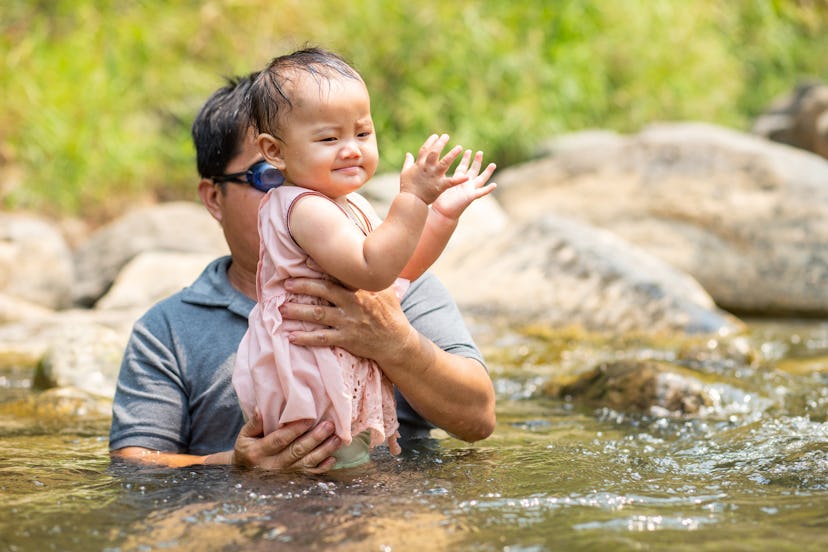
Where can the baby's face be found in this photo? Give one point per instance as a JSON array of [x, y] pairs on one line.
[[327, 139]]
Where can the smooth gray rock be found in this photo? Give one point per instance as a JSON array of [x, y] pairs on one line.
[[561, 272], [176, 226], [151, 276], [86, 357], [35, 261], [746, 217]]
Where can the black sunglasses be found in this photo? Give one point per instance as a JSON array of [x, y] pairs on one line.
[[261, 175]]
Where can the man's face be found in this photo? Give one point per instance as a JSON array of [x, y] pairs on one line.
[[239, 209]]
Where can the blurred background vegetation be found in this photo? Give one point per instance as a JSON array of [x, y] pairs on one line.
[[98, 96]]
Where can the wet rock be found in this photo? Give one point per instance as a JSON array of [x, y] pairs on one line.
[[58, 404], [25, 343], [648, 387], [84, 357]]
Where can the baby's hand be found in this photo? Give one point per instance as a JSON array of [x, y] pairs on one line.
[[426, 176], [454, 200]]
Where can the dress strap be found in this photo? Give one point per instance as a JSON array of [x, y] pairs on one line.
[[354, 213], [368, 227]]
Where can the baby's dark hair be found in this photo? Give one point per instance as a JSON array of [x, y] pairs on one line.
[[269, 98]]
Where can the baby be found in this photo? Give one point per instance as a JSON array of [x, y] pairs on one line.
[[312, 111]]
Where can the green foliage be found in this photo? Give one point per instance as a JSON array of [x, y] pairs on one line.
[[99, 95]]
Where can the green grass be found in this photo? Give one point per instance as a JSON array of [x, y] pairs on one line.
[[98, 96]]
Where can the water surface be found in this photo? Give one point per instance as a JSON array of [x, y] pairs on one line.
[[751, 473]]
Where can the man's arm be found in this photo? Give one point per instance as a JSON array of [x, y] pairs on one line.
[[372, 325], [293, 447], [153, 420]]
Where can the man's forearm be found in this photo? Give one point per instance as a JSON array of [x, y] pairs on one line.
[[171, 459], [296, 446], [451, 391]]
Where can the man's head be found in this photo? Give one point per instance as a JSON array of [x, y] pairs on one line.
[[222, 125], [225, 144]]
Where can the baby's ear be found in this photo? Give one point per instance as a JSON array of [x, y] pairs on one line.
[[271, 148]]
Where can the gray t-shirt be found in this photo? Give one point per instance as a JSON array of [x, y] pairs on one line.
[[174, 389]]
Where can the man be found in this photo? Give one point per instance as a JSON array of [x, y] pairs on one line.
[[175, 404]]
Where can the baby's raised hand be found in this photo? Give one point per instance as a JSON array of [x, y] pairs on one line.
[[426, 176], [454, 200]]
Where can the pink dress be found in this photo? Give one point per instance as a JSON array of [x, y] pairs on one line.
[[289, 382]]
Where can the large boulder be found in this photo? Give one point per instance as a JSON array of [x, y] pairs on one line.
[[175, 226], [35, 261], [746, 217], [561, 272]]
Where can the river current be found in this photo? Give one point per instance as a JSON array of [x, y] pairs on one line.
[[750, 473]]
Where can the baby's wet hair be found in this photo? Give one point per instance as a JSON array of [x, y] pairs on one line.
[[269, 95]]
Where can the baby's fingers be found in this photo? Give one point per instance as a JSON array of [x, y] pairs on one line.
[[484, 191], [432, 147], [449, 158], [485, 175], [463, 166], [476, 164]]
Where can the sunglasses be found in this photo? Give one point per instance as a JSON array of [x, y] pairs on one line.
[[261, 175]]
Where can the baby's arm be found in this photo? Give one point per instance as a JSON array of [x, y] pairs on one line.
[[375, 261], [445, 213]]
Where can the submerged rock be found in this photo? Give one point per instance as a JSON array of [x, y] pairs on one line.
[[647, 387]]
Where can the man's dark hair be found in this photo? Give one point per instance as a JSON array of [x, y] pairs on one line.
[[221, 126], [269, 98]]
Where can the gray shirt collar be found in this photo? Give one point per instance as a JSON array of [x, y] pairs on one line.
[[212, 289]]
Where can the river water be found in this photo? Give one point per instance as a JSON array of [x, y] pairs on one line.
[[750, 473]]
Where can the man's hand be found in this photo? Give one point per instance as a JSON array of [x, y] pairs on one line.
[[366, 324], [296, 446], [372, 325]]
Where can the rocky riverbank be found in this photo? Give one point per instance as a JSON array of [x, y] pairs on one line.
[[678, 229]]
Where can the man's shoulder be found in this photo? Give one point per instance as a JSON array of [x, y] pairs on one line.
[[425, 287], [427, 296], [170, 308]]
